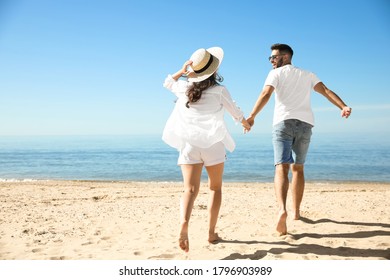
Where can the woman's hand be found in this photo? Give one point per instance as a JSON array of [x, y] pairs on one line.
[[183, 71]]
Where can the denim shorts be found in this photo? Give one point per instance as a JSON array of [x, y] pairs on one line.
[[213, 155], [290, 136]]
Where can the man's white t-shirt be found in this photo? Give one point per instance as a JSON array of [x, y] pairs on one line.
[[293, 87]]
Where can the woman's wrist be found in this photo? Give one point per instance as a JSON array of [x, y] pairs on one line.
[[178, 74]]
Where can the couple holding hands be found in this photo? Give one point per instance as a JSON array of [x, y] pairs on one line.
[[196, 128]]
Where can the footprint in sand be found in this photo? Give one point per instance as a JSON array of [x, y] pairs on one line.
[[36, 250], [162, 257], [61, 258]]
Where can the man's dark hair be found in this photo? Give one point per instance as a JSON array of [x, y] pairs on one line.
[[283, 48]]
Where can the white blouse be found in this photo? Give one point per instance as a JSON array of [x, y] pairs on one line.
[[202, 125]]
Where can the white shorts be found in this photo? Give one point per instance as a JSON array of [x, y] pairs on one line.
[[208, 156]]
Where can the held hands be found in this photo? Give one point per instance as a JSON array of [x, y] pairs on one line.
[[246, 125], [346, 112], [251, 120]]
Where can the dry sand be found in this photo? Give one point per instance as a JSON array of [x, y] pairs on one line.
[[73, 220]]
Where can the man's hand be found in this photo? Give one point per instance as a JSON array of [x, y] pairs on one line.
[[247, 125], [346, 112], [251, 121]]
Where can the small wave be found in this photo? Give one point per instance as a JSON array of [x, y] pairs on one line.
[[19, 180]]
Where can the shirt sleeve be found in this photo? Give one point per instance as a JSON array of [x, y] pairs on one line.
[[177, 87], [314, 80], [230, 105], [272, 79]]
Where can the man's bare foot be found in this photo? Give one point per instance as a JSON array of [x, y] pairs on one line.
[[296, 216], [184, 244], [281, 226], [213, 238]]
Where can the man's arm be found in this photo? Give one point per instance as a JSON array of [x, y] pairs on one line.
[[334, 99], [263, 99]]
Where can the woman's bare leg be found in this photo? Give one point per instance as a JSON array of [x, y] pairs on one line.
[[191, 178], [215, 173]]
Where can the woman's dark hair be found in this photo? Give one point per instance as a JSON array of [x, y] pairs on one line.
[[195, 91]]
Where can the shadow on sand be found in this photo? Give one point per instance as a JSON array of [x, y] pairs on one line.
[[303, 249]]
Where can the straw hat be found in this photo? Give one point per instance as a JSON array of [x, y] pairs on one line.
[[205, 63]]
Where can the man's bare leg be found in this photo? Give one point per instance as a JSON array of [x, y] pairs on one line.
[[298, 187], [281, 188]]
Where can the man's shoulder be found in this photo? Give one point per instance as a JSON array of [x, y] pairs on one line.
[[305, 74], [287, 68], [303, 70], [297, 71]]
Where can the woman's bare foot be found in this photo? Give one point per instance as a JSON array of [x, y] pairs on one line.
[[213, 238], [281, 226], [184, 244]]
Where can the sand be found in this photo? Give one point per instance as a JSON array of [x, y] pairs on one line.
[[84, 220]]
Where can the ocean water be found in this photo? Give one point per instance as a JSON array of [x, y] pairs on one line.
[[147, 158]]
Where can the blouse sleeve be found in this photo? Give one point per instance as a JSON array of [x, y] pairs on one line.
[[177, 87], [230, 105]]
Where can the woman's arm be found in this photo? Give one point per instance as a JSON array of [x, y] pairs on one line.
[[182, 71]]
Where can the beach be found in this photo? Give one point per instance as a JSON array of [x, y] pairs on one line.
[[129, 220]]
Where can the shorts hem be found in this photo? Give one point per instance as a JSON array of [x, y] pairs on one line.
[[204, 163], [215, 162], [184, 163], [283, 162]]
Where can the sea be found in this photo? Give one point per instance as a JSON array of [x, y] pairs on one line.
[[331, 157]]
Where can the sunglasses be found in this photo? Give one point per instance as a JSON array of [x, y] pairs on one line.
[[273, 57]]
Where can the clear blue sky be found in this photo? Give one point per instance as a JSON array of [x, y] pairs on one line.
[[70, 67]]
